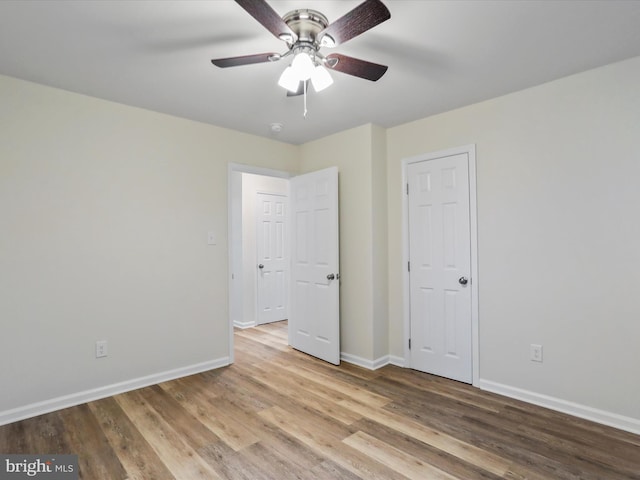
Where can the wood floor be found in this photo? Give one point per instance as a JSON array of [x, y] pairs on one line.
[[279, 414]]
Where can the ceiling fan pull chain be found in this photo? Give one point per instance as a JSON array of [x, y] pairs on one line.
[[304, 86]]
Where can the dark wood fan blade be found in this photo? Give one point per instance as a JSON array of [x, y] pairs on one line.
[[362, 18], [244, 60], [300, 90], [268, 17], [356, 67]]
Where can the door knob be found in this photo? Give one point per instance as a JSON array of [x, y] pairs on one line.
[[463, 280], [331, 276], [261, 266]]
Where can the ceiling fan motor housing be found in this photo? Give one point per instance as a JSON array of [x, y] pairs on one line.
[[306, 24]]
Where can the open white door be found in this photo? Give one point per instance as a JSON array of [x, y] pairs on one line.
[[314, 309]]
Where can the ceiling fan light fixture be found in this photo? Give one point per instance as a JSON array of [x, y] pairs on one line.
[[289, 80], [306, 31], [321, 79], [303, 66]]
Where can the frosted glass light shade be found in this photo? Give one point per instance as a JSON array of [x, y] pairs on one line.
[[321, 78], [303, 66], [289, 80]]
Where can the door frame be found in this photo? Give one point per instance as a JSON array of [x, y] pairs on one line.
[[470, 150], [232, 248]]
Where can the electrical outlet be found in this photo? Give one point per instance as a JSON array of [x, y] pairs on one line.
[[536, 353], [101, 348]]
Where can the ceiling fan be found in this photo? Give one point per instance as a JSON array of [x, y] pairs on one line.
[[305, 32]]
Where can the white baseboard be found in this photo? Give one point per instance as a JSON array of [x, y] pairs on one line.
[[363, 362], [47, 406], [600, 416], [397, 361], [243, 325]]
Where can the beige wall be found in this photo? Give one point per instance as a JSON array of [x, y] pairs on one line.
[[558, 200], [104, 211], [378, 214]]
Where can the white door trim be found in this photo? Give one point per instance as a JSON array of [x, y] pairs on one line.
[[238, 167], [470, 150]]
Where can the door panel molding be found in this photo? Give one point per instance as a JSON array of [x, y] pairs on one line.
[[469, 150]]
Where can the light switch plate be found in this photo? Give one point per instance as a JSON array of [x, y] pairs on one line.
[[211, 238], [536, 353], [101, 349]]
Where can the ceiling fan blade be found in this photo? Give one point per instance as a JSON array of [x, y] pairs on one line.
[[300, 90], [269, 18], [356, 67], [362, 18], [245, 60]]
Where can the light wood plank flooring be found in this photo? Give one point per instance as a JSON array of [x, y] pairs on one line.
[[279, 414]]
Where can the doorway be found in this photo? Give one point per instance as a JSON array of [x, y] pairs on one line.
[[440, 250], [242, 273], [313, 311]]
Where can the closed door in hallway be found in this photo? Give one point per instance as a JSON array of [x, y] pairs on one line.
[[272, 257]]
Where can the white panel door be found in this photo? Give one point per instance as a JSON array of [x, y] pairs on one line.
[[440, 265], [314, 317], [272, 260]]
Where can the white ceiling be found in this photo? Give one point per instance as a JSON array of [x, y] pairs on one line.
[[441, 55]]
